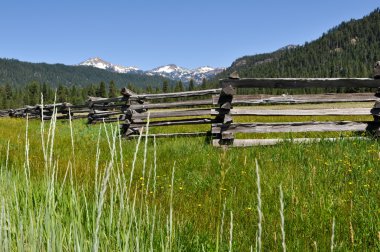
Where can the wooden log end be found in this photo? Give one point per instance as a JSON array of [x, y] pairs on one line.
[[222, 142], [377, 104], [127, 92], [234, 75], [227, 120], [376, 70], [226, 106], [228, 136], [228, 90]]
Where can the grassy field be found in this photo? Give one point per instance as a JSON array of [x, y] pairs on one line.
[[83, 188]]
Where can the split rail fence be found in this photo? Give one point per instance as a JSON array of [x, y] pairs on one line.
[[218, 107]]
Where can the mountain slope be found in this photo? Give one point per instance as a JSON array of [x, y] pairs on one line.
[[348, 50], [18, 74]]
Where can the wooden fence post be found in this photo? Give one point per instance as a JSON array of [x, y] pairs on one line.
[[376, 118], [125, 127], [376, 106], [224, 116]]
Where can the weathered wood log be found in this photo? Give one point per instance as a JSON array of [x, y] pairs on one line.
[[234, 75], [97, 100], [101, 120], [102, 112], [175, 122], [299, 99], [127, 92], [179, 113], [295, 127], [168, 135], [300, 112], [79, 110], [301, 83], [65, 117], [263, 142], [4, 113], [177, 94], [184, 104]]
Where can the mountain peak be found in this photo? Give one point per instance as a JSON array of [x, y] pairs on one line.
[[98, 62], [175, 72]]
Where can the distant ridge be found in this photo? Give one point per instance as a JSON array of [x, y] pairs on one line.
[[170, 71], [18, 73]]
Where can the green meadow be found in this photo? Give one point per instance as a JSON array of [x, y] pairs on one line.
[[76, 187]]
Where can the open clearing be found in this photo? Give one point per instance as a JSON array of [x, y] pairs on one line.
[[93, 190]]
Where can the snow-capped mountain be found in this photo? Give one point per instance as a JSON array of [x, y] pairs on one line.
[[180, 73], [170, 71], [102, 64]]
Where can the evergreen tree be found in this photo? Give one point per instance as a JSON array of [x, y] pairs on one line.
[[62, 93], [44, 92], [102, 92], [91, 90], [131, 87], [178, 87], [3, 100], [75, 95], [204, 84], [191, 85], [165, 86], [112, 91], [33, 91], [149, 89]]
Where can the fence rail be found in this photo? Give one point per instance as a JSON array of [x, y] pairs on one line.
[[288, 83]]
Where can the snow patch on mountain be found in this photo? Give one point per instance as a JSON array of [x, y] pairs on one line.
[[175, 72], [170, 71], [102, 64]]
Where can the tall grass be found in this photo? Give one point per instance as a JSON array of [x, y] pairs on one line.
[[71, 187]]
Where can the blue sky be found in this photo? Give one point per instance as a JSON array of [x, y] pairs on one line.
[[148, 33]]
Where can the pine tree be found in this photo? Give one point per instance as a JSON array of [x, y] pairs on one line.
[[62, 93], [191, 85], [91, 90], [33, 91], [165, 86], [44, 92], [102, 92], [204, 84], [75, 95], [178, 87], [112, 91], [149, 89], [131, 87], [3, 100]]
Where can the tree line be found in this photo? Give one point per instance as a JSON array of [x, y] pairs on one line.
[[30, 94]]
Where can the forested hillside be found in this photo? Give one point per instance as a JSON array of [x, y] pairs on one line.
[[21, 83], [18, 74], [348, 50]]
